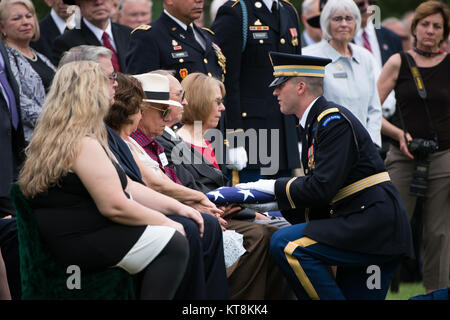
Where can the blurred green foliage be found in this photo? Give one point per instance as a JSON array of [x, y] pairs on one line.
[[389, 8]]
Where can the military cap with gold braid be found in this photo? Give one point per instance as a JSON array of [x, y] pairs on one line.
[[287, 65]]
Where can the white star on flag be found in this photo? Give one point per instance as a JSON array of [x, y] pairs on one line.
[[246, 193], [216, 195]]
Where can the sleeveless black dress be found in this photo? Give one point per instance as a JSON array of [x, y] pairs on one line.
[[76, 231]]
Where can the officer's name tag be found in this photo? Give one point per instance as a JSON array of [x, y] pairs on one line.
[[260, 35], [163, 158], [177, 55], [340, 75]]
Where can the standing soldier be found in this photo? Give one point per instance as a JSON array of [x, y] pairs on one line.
[[247, 30], [174, 42]]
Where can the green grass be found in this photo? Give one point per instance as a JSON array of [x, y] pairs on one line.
[[406, 291]]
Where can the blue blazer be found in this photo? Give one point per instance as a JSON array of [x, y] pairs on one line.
[[389, 43], [12, 142]]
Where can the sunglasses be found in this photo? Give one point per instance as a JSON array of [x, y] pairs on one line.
[[165, 112], [181, 95]]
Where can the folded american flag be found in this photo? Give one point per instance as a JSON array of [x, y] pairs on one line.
[[227, 195]]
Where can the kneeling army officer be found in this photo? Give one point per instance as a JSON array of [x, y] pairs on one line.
[[345, 210]]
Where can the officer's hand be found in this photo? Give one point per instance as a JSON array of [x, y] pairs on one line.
[[267, 186], [237, 158]]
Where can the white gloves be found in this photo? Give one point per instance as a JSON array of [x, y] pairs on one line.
[[237, 158], [263, 185]]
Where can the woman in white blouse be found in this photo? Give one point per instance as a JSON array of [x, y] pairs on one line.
[[350, 79]]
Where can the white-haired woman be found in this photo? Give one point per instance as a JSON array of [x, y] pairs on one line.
[[87, 210], [33, 71], [350, 79]]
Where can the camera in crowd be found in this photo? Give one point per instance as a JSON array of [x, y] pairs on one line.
[[421, 148]]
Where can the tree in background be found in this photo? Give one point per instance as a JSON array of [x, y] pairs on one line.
[[389, 8]]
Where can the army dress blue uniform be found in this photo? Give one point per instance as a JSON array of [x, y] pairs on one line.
[[353, 215], [246, 41], [164, 44]]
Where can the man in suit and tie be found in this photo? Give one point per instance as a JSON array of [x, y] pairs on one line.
[[52, 26], [12, 144], [382, 42], [96, 29]]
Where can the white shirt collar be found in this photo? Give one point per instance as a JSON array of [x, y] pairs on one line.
[[99, 32], [60, 22], [184, 26], [305, 114], [268, 4]]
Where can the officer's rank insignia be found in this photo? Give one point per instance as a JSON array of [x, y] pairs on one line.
[[311, 163], [144, 27], [294, 36], [174, 42], [183, 73], [257, 23]]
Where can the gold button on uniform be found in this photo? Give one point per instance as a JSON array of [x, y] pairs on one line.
[[205, 60], [362, 207], [209, 74], [261, 41], [181, 60], [244, 114], [331, 211], [282, 41]]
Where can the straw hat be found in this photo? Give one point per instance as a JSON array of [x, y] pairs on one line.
[[156, 88]]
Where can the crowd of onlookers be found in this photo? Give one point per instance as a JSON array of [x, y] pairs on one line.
[[98, 169]]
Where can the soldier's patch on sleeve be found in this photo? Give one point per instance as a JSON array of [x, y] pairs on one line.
[[144, 27], [330, 118]]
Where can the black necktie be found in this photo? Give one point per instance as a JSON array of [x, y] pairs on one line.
[[190, 34], [276, 12]]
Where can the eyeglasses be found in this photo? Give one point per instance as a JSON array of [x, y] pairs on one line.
[[113, 76], [339, 19], [165, 112], [181, 95]]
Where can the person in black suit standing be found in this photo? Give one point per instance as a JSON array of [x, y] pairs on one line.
[[247, 30], [52, 26], [12, 144], [174, 42], [382, 42], [95, 29]]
